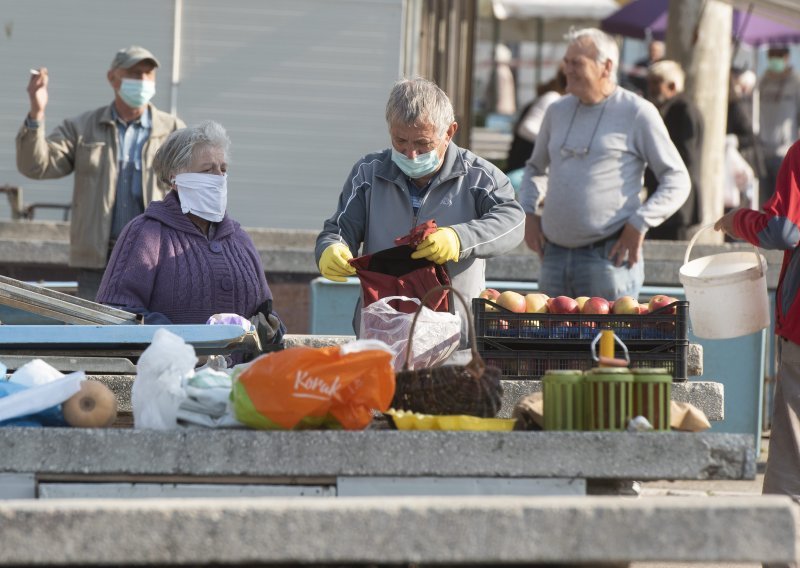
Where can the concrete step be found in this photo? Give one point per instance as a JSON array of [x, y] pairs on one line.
[[594, 531], [376, 453]]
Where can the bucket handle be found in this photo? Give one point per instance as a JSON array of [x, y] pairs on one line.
[[709, 226]]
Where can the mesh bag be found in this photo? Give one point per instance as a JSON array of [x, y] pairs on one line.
[[473, 389]]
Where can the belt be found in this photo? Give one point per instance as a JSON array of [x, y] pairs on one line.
[[602, 242]]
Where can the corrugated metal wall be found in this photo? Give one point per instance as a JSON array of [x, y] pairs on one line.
[[300, 85]]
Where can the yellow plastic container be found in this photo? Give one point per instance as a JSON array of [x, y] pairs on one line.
[[608, 393], [563, 400], [652, 393]]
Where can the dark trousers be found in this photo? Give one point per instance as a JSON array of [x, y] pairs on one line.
[[89, 282]]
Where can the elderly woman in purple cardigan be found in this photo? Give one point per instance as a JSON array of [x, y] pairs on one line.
[[184, 259]]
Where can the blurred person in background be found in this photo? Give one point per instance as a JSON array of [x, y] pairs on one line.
[[530, 121], [665, 83], [581, 187], [739, 127], [184, 259], [110, 150], [779, 114], [636, 79], [740, 118]]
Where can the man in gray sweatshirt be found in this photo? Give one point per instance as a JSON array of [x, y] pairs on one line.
[[581, 188]]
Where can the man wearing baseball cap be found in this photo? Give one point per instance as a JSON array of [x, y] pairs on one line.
[[110, 150]]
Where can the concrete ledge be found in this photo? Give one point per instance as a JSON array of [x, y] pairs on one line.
[[707, 396], [201, 452], [350, 531], [694, 356], [292, 251]]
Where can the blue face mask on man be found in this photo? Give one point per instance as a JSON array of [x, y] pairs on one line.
[[135, 93], [776, 64], [415, 168]]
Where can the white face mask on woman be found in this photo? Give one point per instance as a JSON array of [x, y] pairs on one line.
[[205, 195]]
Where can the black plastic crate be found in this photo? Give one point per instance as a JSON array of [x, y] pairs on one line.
[[533, 361], [495, 322]]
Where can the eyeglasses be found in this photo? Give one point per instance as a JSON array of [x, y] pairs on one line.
[[572, 152], [567, 152]]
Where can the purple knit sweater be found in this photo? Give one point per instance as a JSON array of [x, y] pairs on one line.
[[163, 263]]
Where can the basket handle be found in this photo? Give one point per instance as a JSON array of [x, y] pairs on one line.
[[610, 361], [709, 226], [476, 365]]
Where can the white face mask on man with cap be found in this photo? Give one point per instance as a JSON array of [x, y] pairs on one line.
[[132, 74]]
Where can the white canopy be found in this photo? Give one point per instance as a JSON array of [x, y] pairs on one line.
[[553, 9]]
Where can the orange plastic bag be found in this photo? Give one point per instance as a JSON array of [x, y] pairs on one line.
[[302, 387]]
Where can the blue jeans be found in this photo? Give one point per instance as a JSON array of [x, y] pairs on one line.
[[587, 271]]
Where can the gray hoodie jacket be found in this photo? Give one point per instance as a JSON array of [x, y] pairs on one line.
[[468, 194]]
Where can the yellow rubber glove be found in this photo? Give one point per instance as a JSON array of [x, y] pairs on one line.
[[439, 247], [333, 263]]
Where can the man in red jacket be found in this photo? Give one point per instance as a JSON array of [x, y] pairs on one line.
[[778, 227]]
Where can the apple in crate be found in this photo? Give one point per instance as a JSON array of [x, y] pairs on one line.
[[596, 305], [659, 301], [489, 294], [562, 305], [626, 305], [512, 301], [536, 303], [581, 301]]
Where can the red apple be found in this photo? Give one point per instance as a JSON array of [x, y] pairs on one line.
[[643, 310], [489, 294], [581, 300], [536, 303], [563, 305], [512, 301], [625, 305], [596, 305], [659, 301]]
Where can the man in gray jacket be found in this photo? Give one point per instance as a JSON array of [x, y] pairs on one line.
[[581, 187], [423, 176], [111, 152]]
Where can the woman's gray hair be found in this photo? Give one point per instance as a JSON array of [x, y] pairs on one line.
[[607, 48], [418, 101], [176, 153], [668, 71]]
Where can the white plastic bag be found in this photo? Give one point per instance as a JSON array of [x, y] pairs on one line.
[[159, 388], [436, 334], [739, 177]]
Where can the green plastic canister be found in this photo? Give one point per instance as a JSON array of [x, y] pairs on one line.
[[652, 393], [563, 400], [608, 392]]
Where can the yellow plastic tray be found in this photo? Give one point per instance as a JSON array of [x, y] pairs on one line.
[[404, 420]]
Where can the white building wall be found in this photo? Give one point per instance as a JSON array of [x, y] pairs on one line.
[[299, 84]]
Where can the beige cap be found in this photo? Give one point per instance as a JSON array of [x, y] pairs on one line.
[[130, 56]]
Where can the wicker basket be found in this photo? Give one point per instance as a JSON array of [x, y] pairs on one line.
[[472, 389]]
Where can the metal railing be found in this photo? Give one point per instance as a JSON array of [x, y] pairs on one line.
[[21, 211]]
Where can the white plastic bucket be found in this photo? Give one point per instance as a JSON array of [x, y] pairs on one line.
[[727, 292]]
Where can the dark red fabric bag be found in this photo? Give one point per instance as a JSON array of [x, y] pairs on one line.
[[392, 272]]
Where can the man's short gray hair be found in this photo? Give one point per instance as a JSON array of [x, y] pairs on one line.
[[607, 48], [669, 72], [176, 153], [418, 101]]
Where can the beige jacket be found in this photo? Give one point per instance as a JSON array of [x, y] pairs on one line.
[[87, 145]]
